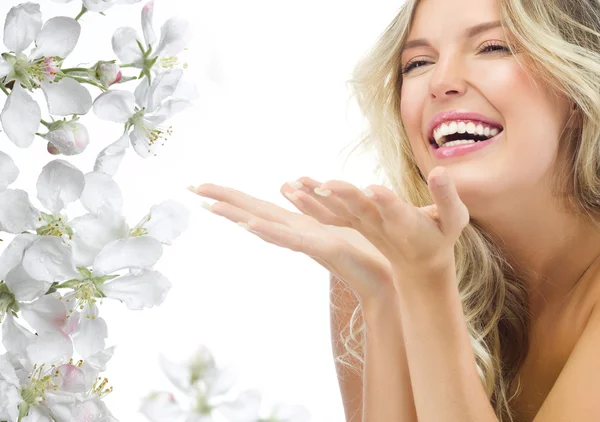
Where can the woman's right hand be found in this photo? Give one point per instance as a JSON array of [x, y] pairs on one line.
[[318, 233]]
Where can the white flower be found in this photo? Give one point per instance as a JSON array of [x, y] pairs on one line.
[[174, 36], [100, 5], [146, 111], [8, 171], [108, 73], [68, 137], [53, 42]]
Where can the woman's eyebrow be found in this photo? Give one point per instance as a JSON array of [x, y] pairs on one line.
[[469, 33]]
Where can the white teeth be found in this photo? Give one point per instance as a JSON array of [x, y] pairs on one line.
[[461, 142], [451, 128]]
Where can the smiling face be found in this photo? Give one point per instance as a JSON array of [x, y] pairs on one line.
[[463, 64]]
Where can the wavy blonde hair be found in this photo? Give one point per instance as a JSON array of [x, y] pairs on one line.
[[561, 41]]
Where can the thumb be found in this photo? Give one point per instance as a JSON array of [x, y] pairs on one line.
[[453, 213]]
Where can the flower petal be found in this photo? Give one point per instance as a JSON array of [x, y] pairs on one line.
[[20, 117], [21, 26], [166, 221], [10, 398], [37, 414], [179, 374], [141, 144], [46, 314], [221, 381], [98, 5], [8, 171], [13, 253], [246, 407], [133, 252], [147, 29], [66, 97], [109, 159], [161, 407], [175, 34], [100, 229], [16, 212], [50, 348], [115, 105], [167, 110], [57, 38], [23, 285], [141, 291], [141, 93], [96, 363], [101, 190], [125, 46], [70, 379], [59, 184], [163, 86], [15, 337], [49, 259], [90, 337], [83, 254]]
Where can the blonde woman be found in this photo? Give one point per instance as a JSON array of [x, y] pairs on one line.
[[473, 279]]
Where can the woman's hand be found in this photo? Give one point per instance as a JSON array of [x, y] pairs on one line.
[[318, 233]]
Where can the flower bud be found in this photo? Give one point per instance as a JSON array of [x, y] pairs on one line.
[[68, 138], [108, 73]]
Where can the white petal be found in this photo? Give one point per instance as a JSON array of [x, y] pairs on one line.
[[15, 337], [37, 414], [175, 34], [161, 407], [70, 139], [61, 405], [115, 105], [141, 93], [7, 371], [98, 5], [101, 190], [246, 407], [147, 13], [23, 285], [96, 363], [8, 171], [16, 212], [70, 379], [92, 409], [83, 254], [20, 117], [49, 259], [179, 374], [167, 110], [221, 381], [141, 144], [45, 314], [91, 334], [146, 290], [13, 253], [57, 38], [59, 184], [50, 347], [5, 67], [133, 252], [10, 398], [186, 90], [167, 221], [125, 45], [163, 86], [100, 229], [109, 159], [67, 97], [22, 25]]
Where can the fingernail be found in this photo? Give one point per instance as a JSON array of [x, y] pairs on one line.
[[296, 184], [244, 225], [322, 192], [368, 192], [192, 189], [291, 196], [207, 206]]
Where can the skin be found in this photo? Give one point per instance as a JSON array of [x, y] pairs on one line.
[[506, 186]]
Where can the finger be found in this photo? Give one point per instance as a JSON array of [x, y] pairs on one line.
[[263, 209], [358, 204], [453, 214], [304, 202]]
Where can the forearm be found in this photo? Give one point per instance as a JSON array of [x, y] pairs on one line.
[[445, 382], [387, 391]]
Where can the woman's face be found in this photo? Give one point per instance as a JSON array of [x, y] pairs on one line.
[[451, 64]]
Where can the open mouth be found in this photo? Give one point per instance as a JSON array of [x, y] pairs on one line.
[[462, 132]]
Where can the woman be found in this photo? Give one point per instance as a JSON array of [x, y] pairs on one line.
[[476, 276]]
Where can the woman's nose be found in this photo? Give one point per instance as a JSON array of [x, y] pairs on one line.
[[448, 79]]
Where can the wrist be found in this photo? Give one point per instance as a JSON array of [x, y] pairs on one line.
[[379, 308]]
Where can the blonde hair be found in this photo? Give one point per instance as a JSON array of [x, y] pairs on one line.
[[561, 40]]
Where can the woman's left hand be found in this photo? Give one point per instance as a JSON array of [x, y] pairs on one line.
[[419, 242]]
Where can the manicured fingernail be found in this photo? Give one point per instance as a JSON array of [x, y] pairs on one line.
[[322, 192], [192, 189], [295, 184], [291, 196], [368, 192], [243, 225], [207, 206]]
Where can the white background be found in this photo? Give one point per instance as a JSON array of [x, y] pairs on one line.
[[280, 110]]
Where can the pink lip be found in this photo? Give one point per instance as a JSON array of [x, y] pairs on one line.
[[458, 115]]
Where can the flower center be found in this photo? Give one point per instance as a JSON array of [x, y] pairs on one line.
[[55, 226], [8, 302]]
